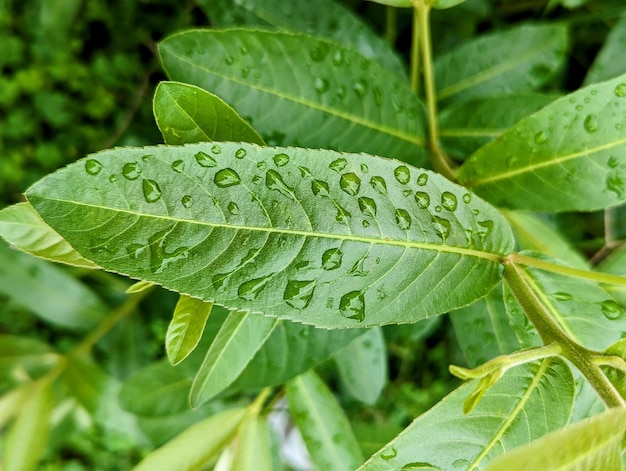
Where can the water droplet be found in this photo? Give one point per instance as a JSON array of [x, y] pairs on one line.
[[274, 181], [251, 288], [216, 149], [298, 293], [151, 191], [389, 453], [422, 199], [261, 165], [350, 183], [441, 226], [93, 166], [364, 168], [422, 179], [358, 269], [205, 160], [402, 174], [562, 296], [219, 281], [147, 157], [321, 85], [611, 309], [134, 250], [579, 107], [403, 219], [352, 305], [112, 178], [360, 88], [160, 258], [367, 206], [229, 60], [615, 183], [378, 96], [281, 160], [320, 187], [178, 166], [318, 53], [240, 153], [448, 201], [233, 208], [226, 177], [257, 179], [487, 226], [338, 165], [613, 162], [379, 184], [331, 259], [365, 223], [187, 201], [407, 193], [438, 208], [342, 215], [540, 137], [337, 58], [591, 123], [131, 171], [620, 90]]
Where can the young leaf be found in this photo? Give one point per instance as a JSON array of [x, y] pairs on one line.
[[324, 427], [253, 452], [22, 227], [608, 63], [594, 444], [197, 445], [238, 340], [11, 403], [186, 114], [569, 156], [362, 366], [249, 228], [518, 60], [186, 327], [320, 94], [526, 403], [323, 18]]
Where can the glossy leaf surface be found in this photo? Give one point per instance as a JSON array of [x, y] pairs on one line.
[[186, 327], [324, 427], [594, 444], [520, 59], [568, 156], [249, 228], [528, 402], [299, 90], [186, 114]]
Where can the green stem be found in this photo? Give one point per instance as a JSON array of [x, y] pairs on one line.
[[517, 280], [391, 30], [257, 405], [519, 259], [415, 54]]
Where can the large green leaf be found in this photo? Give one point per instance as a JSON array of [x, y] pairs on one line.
[[301, 90], [526, 403], [594, 444], [48, 291], [186, 327], [517, 60], [609, 62], [568, 156], [324, 427], [186, 114], [253, 452], [324, 18], [310, 235]]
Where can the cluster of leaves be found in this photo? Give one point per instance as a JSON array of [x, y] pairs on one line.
[[259, 203]]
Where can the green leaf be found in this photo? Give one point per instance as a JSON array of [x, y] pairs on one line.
[[197, 445], [443, 4], [240, 337], [569, 156], [48, 291], [616, 376], [24, 355], [291, 349], [594, 444], [186, 328], [22, 227], [323, 18], [395, 3], [615, 264], [27, 437], [320, 94], [11, 403], [249, 228], [528, 402], [483, 330], [186, 114], [362, 366], [466, 126], [253, 452], [322, 423], [608, 63], [517, 60]]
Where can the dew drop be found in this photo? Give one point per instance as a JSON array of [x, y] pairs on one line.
[[540, 137], [257, 179], [147, 157], [338, 58], [216, 149], [389, 453], [320, 187], [331, 259], [134, 250], [233, 208], [379, 184], [131, 171], [448, 201], [442, 227], [274, 181], [240, 153], [251, 288], [318, 53], [360, 88], [403, 219], [367, 206], [321, 85], [487, 228], [620, 90], [178, 166], [350, 183], [93, 166], [342, 215], [402, 174], [562, 296], [219, 281], [364, 168], [151, 191], [615, 183], [422, 179], [365, 223], [591, 123], [352, 305], [205, 160], [467, 198], [611, 309], [422, 199], [112, 178], [613, 162], [226, 177], [229, 60], [281, 160], [407, 193], [338, 165], [298, 293], [187, 201], [261, 165], [160, 258]]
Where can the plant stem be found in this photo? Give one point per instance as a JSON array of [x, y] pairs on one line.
[[415, 54], [519, 259], [391, 31]]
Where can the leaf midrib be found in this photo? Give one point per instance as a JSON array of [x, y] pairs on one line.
[[492, 257]]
